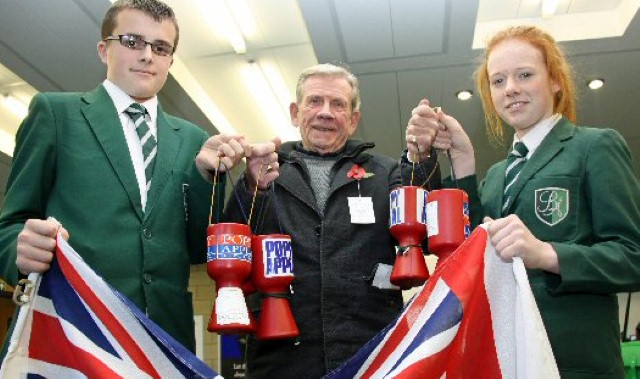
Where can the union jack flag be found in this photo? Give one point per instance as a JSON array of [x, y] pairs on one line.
[[76, 326], [476, 317]]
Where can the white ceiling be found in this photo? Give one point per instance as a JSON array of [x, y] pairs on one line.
[[402, 51], [280, 41]]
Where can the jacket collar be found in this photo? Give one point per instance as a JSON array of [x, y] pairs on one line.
[[352, 148], [103, 120], [100, 113]]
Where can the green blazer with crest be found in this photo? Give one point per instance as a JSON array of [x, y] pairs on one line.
[[72, 162], [579, 192]]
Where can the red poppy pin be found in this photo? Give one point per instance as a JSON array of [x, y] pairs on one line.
[[358, 173]]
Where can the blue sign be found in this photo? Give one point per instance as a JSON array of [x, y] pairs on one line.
[[278, 257]]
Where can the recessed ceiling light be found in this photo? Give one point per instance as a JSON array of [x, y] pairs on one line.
[[464, 95], [595, 83]]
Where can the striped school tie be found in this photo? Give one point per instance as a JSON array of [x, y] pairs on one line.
[[149, 145], [515, 161]]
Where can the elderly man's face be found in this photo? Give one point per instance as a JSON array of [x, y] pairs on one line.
[[324, 116]]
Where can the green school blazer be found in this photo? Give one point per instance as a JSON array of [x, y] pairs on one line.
[[579, 192], [72, 162]]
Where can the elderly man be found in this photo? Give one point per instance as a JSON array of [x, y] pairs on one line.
[[331, 195]]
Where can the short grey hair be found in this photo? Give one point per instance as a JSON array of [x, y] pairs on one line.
[[328, 69]]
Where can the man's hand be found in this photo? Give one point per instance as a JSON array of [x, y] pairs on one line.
[[221, 152], [421, 131], [36, 245], [262, 165], [452, 137]]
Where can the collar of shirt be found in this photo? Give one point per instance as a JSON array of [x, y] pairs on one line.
[[534, 137], [122, 101]]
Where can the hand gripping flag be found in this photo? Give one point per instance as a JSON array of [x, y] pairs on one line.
[[476, 318], [76, 326]]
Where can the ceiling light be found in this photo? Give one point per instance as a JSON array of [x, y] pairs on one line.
[[193, 87], [549, 8], [279, 87], [16, 106], [218, 16], [266, 97], [595, 83], [244, 18], [20, 110], [7, 143], [464, 95]]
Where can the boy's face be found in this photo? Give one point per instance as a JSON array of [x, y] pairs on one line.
[[139, 73]]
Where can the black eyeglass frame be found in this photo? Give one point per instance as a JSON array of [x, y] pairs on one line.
[[140, 43]]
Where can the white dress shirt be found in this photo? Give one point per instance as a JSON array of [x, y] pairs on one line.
[[534, 137], [122, 101]]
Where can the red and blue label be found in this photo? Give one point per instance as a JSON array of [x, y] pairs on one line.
[[229, 246], [397, 201], [396, 207], [465, 217]]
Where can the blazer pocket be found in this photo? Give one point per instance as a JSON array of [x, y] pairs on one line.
[[551, 207], [181, 191]]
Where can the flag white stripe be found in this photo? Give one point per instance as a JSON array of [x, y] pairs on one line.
[[440, 291], [522, 346], [47, 370], [123, 314], [124, 367], [432, 346], [384, 340]]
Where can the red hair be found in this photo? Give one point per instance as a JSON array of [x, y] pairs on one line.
[[558, 68]]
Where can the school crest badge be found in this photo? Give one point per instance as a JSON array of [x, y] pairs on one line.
[[552, 204]]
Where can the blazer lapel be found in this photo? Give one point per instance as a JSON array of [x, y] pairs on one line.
[[101, 115], [168, 147], [549, 148]]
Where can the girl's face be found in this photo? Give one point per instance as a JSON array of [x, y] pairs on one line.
[[521, 89]]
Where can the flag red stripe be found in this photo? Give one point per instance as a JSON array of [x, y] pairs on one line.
[[45, 331], [473, 351], [432, 367], [418, 304], [401, 330], [463, 272], [102, 311]]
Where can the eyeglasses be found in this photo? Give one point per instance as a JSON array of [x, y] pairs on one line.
[[135, 42]]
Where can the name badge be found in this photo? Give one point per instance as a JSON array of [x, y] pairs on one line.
[[361, 210], [382, 277]]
